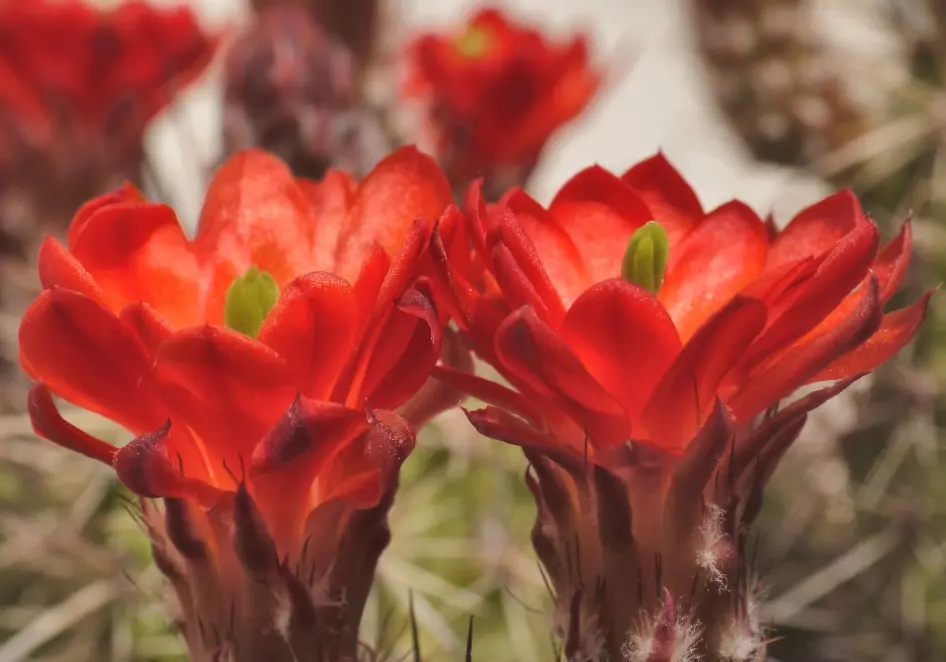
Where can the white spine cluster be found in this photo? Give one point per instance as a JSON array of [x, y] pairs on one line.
[[714, 548], [642, 647]]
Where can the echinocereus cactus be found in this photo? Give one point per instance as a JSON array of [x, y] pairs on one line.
[[650, 346]]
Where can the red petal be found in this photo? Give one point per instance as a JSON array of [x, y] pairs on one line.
[[896, 330], [892, 262], [83, 353], [476, 216], [625, 339], [311, 428], [146, 466], [806, 306], [405, 186], [405, 265], [668, 196], [779, 375], [520, 265], [149, 328], [816, 229], [227, 388], [364, 472], [557, 253], [291, 456], [255, 213], [126, 193], [48, 423], [139, 253], [401, 354], [531, 352], [503, 426], [313, 328], [59, 268], [330, 200], [489, 392], [372, 277], [687, 392], [717, 260], [600, 213]]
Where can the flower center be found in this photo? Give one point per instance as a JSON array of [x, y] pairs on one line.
[[248, 300], [474, 43], [645, 260]]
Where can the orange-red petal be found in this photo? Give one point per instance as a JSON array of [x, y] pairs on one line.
[[83, 353], [151, 467], [330, 200], [600, 213], [138, 252], [126, 193], [723, 255], [59, 268], [559, 256], [401, 355], [534, 354], [668, 196], [783, 372], [802, 308], [288, 460], [255, 214], [48, 423], [624, 338], [150, 329], [229, 389], [313, 327], [816, 229], [891, 264], [686, 394], [896, 330], [405, 186]]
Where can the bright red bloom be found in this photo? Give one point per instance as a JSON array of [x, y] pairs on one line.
[[496, 92], [112, 70], [79, 85], [664, 394], [291, 437]]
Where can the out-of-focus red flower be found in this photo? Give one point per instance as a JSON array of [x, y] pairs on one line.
[[495, 93], [652, 422], [78, 82], [277, 455]]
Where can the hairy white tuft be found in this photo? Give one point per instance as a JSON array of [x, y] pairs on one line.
[[641, 646], [743, 640], [714, 547]]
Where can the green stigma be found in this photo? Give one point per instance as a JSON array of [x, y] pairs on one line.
[[645, 260], [248, 300], [474, 43]]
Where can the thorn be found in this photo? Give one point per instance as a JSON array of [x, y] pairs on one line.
[[414, 639], [469, 642]]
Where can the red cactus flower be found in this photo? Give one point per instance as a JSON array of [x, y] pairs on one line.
[[648, 363], [496, 91], [275, 444], [78, 87], [71, 74]]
